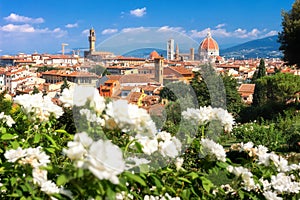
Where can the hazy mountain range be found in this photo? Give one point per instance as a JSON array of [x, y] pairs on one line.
[[261, 48]]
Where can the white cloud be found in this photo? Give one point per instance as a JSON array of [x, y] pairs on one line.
[[220, 26], [199, 34], [238, 33], [71, 25], [58, 32], [220, 32], [18, 18], [134, 30], [254, 33], [139, 12], [109, 31], [85, 32], [168, 29], [271, 33], [27, 28]]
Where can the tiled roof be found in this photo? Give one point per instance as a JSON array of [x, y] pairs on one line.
[[209, 43], [134, 96], [135, 78], [247, 88], [153, 55], [182, 70], [114, 77]]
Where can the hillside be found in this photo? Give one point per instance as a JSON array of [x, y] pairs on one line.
[[262, 48]]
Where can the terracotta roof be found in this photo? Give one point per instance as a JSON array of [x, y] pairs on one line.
[[134, 96], [247, 88], [70, 74], [182, 70], [149, 88], [127, 88], [110, 81], [209, 43], [153, 55], [149, 98], [128, 58], [136, 78], [114, 77]]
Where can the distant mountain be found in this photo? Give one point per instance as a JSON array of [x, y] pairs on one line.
[[145, 52], [262, 48]]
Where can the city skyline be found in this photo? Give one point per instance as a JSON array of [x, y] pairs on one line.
[[43, 26]]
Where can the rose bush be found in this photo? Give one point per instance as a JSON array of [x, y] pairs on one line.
[[118, 153]]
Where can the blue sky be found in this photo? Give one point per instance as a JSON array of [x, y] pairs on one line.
[[31, 25]]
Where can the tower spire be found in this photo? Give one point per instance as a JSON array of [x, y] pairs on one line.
[[208, 33], [92, 39]]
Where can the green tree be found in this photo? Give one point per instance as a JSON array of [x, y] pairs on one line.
[[216, 90], [99, 70], [45, 68], [35, 90], [179, 91], [289, 37], [64, 85], [5, 104], [260, 72], [278, 88]]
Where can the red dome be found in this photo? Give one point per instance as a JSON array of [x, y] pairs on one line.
[[209, 43], [153, 55]]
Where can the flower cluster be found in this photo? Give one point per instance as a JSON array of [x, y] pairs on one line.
[[204, 115], [261, 155], [38, 107], [7, 119], [102, 158], [246, 176], [163, 142], [36, 158], [80, 95], [281, 184], [161, 197], [131, 117], [209, 147]]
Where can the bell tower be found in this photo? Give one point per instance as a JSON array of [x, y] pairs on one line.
[[92, 40], [158, 62]]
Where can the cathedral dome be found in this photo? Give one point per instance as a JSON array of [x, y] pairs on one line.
[[153, 55], [209, 43], [208, 49]]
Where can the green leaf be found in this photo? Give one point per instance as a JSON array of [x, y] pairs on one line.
[[37, 138], [8, 136], [14, 195], [241, 194], [206, 183], [144, 168], [61, 131], [14, 144], [184, 180], [186, 194], [110, 194], [51, 140], [24, 188], [157, 182], [193, 175], [61, 180], [135, 178], [222, 165], [50, 150], [13, 181], [3, 130]]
